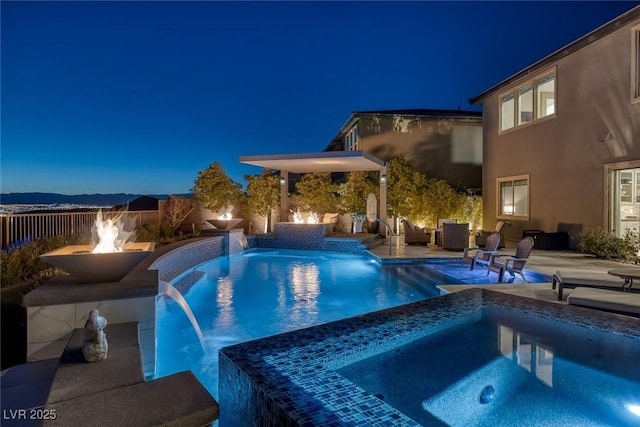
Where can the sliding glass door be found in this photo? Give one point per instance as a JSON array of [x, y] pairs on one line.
[[625, 201]]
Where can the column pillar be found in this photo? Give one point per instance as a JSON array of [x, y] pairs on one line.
[[383, 200], [284, 196]]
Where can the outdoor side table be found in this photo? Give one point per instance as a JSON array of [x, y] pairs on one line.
[[628, 274]]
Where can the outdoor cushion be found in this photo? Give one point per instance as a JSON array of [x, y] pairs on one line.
[[592, 279], [617, 301]]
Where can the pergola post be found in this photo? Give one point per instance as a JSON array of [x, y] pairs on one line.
[[383, 200], [284, 196]]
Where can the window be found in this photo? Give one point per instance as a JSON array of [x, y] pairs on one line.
[[513, 197], [546, 95], [529, 102], [507, 111], [635, 64], [525, 105], [351, 140]]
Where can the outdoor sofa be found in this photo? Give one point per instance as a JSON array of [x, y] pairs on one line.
[[415, 235]]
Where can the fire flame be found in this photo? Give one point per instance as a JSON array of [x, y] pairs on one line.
[[111, 234], [225, 213], [312, 218]]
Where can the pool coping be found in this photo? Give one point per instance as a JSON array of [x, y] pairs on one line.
[[290, 378]]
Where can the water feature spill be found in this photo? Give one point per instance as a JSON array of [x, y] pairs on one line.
[[165, 288], [243, 242]]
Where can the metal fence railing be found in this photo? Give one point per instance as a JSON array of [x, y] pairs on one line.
[[16, 228]]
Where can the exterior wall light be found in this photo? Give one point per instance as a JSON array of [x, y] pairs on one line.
[[283, 181], [383, 179]]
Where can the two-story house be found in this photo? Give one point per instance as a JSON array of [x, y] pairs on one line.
[[561, 138], [445, 144]]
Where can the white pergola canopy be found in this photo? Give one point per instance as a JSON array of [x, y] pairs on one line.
[[326, 161]]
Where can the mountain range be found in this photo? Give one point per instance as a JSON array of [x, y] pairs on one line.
[[79, 199]]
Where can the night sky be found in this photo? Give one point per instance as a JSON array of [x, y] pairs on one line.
[[137, 97]]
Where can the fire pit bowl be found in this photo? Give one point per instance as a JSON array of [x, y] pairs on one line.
[[224, 224], [87, 267]]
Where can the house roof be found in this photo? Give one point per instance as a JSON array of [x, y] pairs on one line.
[[582, 42], [326, 161], [423, 112]]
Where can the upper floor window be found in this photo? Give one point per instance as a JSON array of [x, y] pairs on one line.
[[351, 139], [513, 197], [525, 105], [546, 96], [635, 64], [529, 102], [507, 111]]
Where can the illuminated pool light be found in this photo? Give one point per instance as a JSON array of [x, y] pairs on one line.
[[634, 409]]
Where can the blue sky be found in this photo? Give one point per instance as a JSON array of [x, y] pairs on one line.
[[137, 97]]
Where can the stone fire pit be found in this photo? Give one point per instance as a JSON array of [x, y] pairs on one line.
[[87, 267]]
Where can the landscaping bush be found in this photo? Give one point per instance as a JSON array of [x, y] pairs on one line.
[[23, 264], [162, 233], [602, 244]]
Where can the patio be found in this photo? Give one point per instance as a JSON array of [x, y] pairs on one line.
[[541, 261]]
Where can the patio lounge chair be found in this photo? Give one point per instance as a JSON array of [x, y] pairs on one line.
[[512, 263], [475, 255], [590, 279], [607, 300], [415, 235], [482, 236]]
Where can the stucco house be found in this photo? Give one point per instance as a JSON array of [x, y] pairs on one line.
[[445, 144], [561, 138]]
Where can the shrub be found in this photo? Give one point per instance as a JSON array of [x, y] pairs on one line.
[[23, 264], [162, 233], [177, 209], [602, 244]]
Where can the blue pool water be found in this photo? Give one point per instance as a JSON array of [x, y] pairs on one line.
[[266, 292], [503, 369]]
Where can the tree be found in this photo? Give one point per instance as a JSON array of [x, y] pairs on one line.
[[316, 193], [437, 199], [177, 209], [404, 184], [354, 192], [263, 192], [215, 189]]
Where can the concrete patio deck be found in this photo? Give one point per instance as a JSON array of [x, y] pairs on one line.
[[541, 261]]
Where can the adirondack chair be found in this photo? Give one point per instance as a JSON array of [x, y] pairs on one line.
[[481, 236], [476, 255], [512, 263]]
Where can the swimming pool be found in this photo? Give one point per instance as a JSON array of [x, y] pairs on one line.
[[263, 292], [434, 361]]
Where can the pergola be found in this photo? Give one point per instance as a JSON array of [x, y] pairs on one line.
[[326, 161]]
